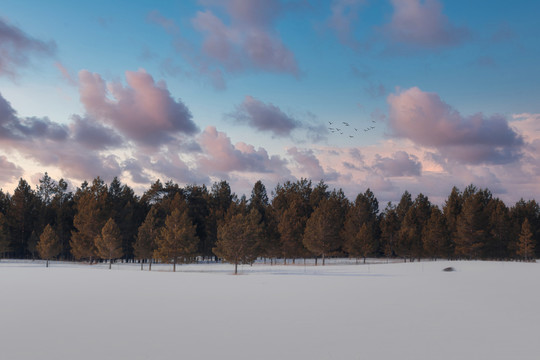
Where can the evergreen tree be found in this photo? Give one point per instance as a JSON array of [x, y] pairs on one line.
[[5, 244], [221, 198], [322, 232], [146, 238], [451, 210], [177, 240], [526, 244], [361, 223], [109, 242], [92, 210], [472, 225], [22, 216], [500, 230], [198, 200], [360, 243], [389, 225], [238, 238], [435, 237], [48, 246], [123, 207], [291, 204]]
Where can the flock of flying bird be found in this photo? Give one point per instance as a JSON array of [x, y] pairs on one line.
[[340, 131]]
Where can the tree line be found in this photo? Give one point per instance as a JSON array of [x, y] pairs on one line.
[[299, 220]]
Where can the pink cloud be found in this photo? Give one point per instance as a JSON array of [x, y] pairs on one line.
[[17, 48], [249, 41], [422, 24], [221, 156], [399, 164], [428, 121], [143, 111], [309, 164]]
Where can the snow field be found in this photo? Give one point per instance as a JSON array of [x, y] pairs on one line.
[[484, 310]]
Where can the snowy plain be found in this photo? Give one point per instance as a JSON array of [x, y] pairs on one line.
[[483, 310]]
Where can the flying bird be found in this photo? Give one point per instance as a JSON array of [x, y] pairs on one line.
[[345, 123], [330, 122]]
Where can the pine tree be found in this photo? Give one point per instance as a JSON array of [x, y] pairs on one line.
[[360, 225], [22, 217], [291, 226], [48, 246], [177, 240], [109, 242], [360, 243], [451, 210], [91, 206], [238, 238], [322, 233], [500, 229], [526, 245], [472, 224], [389, 226], [291, 204], [435, 238], [4, 236], [146, 238]]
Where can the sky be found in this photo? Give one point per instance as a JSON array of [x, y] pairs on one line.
[[390, 95]]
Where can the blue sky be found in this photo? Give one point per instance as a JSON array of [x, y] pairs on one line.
[[199, 91]]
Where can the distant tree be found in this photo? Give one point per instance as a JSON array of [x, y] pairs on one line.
[[109, 242], [23, 215], [360, 225], [500, 231], [292, 207], [472, 224], [525, 245], [322, 233], [360, 243], [389, 225], [268, 245], [91, 207], [123, 207], [451, 210], [4, 236], [198, 201], [238, 238], [435, 237], [177, 240], [220, 199], [48, 246], [522, 210], [146, 238]]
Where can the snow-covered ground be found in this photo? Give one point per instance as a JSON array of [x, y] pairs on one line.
[[483, 310]]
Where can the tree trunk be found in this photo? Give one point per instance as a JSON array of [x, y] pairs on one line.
[[110, 264], [364, 259], [323, 259], [141, 264], [150, 265], [47, 263], [316, 261], [235, 268], [174, 265]]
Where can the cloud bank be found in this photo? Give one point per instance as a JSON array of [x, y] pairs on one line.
[[428, 121]]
